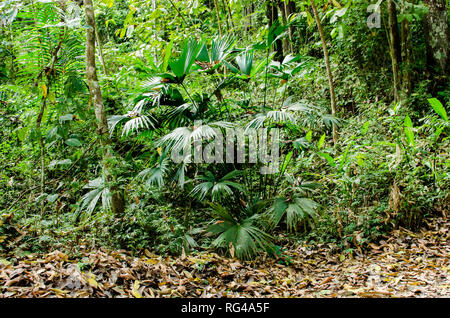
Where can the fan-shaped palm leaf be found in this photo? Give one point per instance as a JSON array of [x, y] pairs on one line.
[[217, 188], [182, 65], [296, 210], [90, 199], [246, 238], [155, 176]]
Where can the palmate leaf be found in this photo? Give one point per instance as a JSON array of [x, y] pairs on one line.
[[245, 62], [287, 68], [247, 68], [256, 122], [137, 123], [301, 143], [217, 188], [221, 47], [330, 120], [176, 139], [273, 116], [114, 120], [280, 117], [154, 83], [296, 210], [183, 136], [203, 132], [155, 176], [100, 190], [135, 120], [182, 65], [276, 31], [246, 238], [180, 174], [181, 115]]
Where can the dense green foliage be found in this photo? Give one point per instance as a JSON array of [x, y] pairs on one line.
[[173, 75]]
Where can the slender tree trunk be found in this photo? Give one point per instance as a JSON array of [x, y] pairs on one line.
[[289, 8], [178, 12], [437, 36], [117, 203], [286, 41], [216, 5], [230, 15], [248, 11], [394, 48], [327, 64], [49, 73], [226, 16], [272, 16], [42, 143], [406, 57]]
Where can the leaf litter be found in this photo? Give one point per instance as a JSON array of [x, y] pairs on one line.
[[406, 264]]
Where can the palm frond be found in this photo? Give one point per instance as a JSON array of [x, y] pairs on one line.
[[155, 176], [245, 237], [100, 190], [138, 122], [297, 210]]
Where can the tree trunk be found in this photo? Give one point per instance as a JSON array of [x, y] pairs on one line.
[[327, 64], [406, 57], [394, 48], [247, 12], [437, 36], [272, 16], [289, 7], [117, 203], [286, 41], [216, 5], [230, 15]]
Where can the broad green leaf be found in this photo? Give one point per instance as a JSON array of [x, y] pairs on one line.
[[73, 142], [66, 117], [365, 128], [52, 197], [59, 162], [167, 53], [286, 161], [321, 142], [328, 158], [438, 108], [409, 131]]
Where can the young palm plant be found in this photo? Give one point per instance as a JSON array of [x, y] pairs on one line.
[[293, 205], [217, 188], [242, 236]]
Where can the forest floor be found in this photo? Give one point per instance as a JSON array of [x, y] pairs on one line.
[[405, 264]]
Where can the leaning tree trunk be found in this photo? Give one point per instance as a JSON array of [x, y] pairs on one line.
[[394, 48], [327, 63], [117, 203], [437, 36]]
